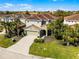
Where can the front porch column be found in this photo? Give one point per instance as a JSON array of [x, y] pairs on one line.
[[39, 33], [25, 22], [46, 32]]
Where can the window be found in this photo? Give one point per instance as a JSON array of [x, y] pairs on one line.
[[27, 21], [37, 21], [49, 21], [43, 22]]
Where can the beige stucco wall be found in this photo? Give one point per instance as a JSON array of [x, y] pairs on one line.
[[32, 22], [2, 19], [37, 23], [71, 22]]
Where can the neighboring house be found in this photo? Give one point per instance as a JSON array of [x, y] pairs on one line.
[[7, 18], [72, 19], [36, 23], [0, 18]]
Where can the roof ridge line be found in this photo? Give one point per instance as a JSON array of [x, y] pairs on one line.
[[38, 17], [45, 16], [49, 15]]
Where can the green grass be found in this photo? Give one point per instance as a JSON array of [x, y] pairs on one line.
[[5, 42], [1, 28], [54, 50]]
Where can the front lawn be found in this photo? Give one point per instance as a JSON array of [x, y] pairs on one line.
[[54, 50], [5, 42]]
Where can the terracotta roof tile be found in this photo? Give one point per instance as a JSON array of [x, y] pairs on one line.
[[72, 17], [41, 16], [33, 16]]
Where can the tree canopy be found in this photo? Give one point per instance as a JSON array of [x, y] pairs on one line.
[[69, 34]]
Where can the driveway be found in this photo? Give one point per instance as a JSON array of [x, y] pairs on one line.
[[6, 54], [3, 32], [23, 45], [20, 50]]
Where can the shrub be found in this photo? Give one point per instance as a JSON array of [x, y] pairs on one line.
[[1, 28], [39, 40], [71, 40]]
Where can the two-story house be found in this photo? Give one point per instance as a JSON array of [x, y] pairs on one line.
[[36, 23], [7, 18], [72, 19]]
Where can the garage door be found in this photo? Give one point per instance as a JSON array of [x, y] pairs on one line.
[[32, 33]]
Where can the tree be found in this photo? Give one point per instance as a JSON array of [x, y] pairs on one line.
[[27, 12], [56, 27], [61, 13], [12, 28], [69, 34], [7, 12]]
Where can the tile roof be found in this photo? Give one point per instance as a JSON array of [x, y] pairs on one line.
[[42, 17], [45, 16], [33, 16], [72, 17]]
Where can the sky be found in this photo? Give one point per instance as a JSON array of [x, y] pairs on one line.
[[39, 5]]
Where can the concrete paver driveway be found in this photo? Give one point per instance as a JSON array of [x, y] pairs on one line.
[[23, 45], [5, 54]]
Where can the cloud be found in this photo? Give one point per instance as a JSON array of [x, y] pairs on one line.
[[9, 4], [24, 5], [13, 7], [6, 5]]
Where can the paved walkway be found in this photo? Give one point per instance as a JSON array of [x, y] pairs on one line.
[[3, 32], [23, 45]]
